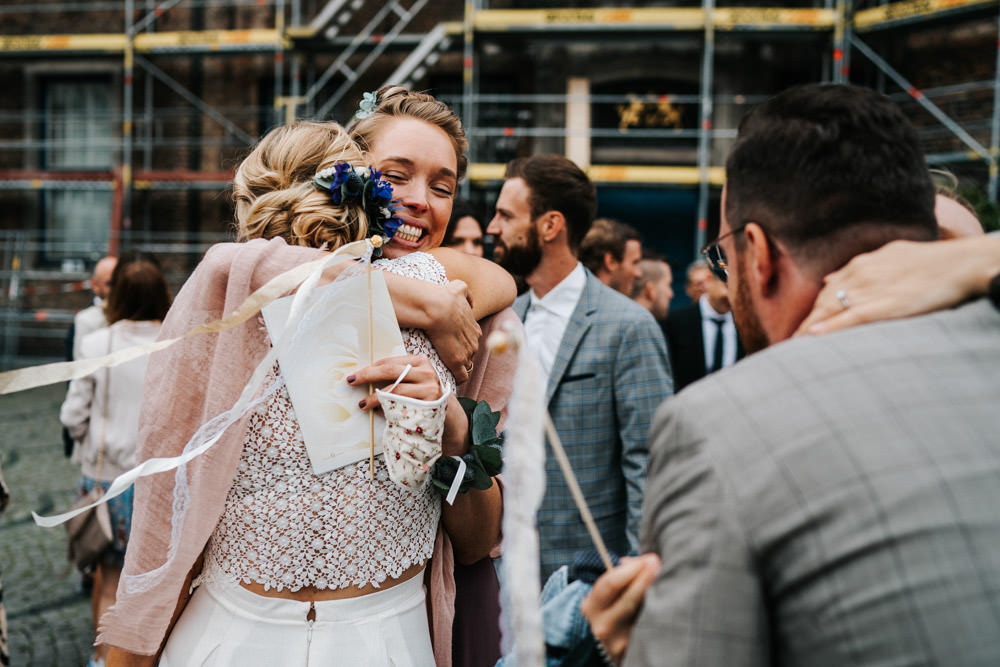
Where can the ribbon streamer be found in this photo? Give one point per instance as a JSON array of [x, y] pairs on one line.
[[306, 274], [63, 371]]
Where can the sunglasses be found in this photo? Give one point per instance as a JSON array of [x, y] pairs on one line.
[[715, 256]]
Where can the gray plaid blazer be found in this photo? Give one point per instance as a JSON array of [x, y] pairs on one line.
[[610, 374], [832, 501]]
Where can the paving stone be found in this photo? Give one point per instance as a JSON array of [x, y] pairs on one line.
[[48, 615]]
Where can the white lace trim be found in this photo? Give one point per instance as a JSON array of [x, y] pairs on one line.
[[285, 528]]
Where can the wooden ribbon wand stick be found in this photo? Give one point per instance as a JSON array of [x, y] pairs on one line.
[[574, 488], [376, 243], [499, 341]]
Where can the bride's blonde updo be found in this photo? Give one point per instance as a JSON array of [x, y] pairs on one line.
[[399, 102], [274, 191]]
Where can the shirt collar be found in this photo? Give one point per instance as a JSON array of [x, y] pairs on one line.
[[707, 312], [562, 298]]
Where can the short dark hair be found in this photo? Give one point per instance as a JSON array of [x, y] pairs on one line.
[[138, 289], [605, 235], [557, 184], [830, 170], [460, 208]]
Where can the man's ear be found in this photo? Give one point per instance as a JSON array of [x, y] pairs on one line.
[[610, 263], [550, 225], [761, 262], [649, 291]]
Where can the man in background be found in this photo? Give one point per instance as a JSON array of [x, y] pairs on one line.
[[612, 251], [603, 355], [829, 500], [696, 277], [92, 318], [701, 338], [653, 289], [88, 320]]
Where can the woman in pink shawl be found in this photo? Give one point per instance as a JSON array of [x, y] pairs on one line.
[[297, 566]]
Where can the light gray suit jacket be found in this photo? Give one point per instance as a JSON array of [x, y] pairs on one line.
[[832, 501], [609, 375]]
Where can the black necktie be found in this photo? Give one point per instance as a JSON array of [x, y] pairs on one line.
[[717, 352]]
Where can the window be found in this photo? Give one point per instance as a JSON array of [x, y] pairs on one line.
[[78, 127]]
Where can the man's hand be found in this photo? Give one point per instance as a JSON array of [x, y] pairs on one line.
[[614, 603]]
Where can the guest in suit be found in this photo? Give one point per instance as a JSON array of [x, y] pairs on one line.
[[701, 338], [697, 273], [603, 354], [653, 290], [829, 500], [612, 250]]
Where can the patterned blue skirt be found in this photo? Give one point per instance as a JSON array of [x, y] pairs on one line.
[[120, 509]]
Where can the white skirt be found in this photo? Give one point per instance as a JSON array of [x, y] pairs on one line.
[[225, 624]]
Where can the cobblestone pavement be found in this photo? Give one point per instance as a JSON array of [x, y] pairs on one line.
[[48, 614]]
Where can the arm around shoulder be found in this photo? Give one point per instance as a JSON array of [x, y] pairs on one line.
[[492, 288]]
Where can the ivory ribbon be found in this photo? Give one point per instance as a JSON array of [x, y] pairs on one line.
[[456, 483], [63, 371], [307, 274]]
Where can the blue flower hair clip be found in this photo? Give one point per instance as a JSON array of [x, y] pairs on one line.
[[359, 186], [368, 105]]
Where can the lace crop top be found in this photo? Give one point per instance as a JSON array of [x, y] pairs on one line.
[[285, 528]]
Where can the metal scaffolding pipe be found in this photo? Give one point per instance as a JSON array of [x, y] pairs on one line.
[[195, 101], [920, 98], [705, 126], [995, 126]]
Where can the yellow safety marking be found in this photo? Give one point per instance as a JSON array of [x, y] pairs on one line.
[[602, 173], [505, 19], [728, 18], [213, 39], [690, 18], [147, 41], [666, 175], [95, 42], [867, 19], [37, 183]]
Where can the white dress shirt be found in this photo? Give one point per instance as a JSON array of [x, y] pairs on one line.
[[709, 329], [547, 317]]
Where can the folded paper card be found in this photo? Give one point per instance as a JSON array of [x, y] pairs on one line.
[[331, 343]]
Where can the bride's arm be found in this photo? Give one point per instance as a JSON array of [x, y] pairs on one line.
[[443, 311], [473, 521], [492, 288]]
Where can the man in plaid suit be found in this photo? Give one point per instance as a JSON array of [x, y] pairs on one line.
[[830, 500], [604, 356]]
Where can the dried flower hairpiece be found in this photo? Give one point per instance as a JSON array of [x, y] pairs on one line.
[[359, 186], [368, 105]]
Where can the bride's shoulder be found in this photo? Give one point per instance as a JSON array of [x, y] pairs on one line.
[[420, 265]]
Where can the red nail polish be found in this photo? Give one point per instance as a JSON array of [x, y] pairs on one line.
[[351, 379]]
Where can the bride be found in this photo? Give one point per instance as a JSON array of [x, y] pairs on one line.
[[292, 567]]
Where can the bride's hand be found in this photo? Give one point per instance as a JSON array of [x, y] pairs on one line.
[[455, 332], [903, 279], [421, 381]]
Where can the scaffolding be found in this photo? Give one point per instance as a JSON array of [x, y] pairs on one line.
[[316, 57]]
